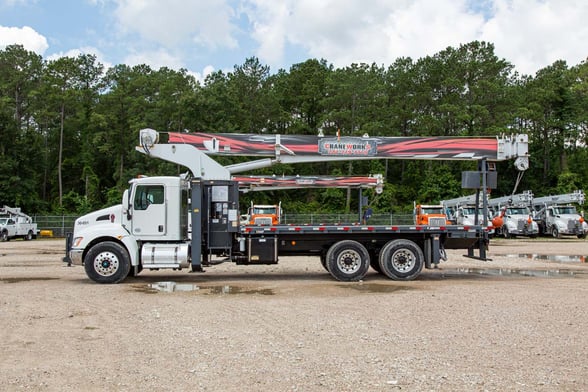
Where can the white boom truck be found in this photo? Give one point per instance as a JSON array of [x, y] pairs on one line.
[[184, 222], [16, 224], [468, 211], [516, 215], [557, 215]]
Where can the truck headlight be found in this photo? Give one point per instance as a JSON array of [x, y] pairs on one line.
[[76, 241]]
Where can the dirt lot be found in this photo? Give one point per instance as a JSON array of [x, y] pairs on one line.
[[513, 323]]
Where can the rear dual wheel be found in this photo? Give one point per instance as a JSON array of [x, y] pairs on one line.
[[347, 261], [401, 260]]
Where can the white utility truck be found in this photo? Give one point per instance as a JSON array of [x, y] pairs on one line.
[[16, 224], [515, 212], [557, 215], [193, 221], [468, 211]]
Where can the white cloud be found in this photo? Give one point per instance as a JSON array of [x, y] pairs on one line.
[[174, 22], [25, 36], [531, 34], [84, 50], [200, 76], [155, 59]]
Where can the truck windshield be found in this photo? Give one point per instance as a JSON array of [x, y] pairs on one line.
[[264, 210], [517, 211], [433, 210], [565, 210]]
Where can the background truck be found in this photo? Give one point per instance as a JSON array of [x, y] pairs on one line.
[[192, 221], [468, 211], [516, 215], [265, 214], [16, 224], [430, 214], [556, 215]]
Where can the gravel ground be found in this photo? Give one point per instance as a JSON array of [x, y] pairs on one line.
[[513, 323]]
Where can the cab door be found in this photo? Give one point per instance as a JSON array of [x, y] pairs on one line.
[[149, 217]]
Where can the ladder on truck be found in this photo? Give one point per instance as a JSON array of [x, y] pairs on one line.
[[520, 199], [450, 206], [577, 197], [15, 212], [273, 182]]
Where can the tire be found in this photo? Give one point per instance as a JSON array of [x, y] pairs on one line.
[[581, 236], [374, 263], [506, 233], [348, 261], [107, 262], [555, 233], [401, 260], [4, 236], [324, 261], [29, 236]]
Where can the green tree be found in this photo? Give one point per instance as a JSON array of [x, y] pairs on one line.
[[20, 138]]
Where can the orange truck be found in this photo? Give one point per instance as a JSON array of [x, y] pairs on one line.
[[265, 214], [430, 215]]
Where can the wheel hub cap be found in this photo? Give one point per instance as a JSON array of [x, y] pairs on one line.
[[349, 261], [106, 263]]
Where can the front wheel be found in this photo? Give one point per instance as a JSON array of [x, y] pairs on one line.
[[29, 236], [107, 262], [4, 236], [401, 260], [348, 261], [555, 233], [505, 232]]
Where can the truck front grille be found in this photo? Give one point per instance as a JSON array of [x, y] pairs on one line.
[[436, 221]]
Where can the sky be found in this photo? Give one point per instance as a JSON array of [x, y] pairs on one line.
[[203, 36]]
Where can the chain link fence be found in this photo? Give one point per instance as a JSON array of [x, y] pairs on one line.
[[54, 225]]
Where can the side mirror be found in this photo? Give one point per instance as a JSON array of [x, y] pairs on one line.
[[126, 205]]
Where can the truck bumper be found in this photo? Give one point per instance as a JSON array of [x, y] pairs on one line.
[[524, 232], [74, 256]]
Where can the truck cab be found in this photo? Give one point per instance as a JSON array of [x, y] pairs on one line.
[[7, 228], [265, 214], [466, 216], [517, 220], [563, 220], [430, 215]]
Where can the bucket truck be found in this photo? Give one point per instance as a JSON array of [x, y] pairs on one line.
[[16, 224], [185, 222], [514, 214], [467, 210], [557, 215]]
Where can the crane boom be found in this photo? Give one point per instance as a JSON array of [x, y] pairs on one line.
[[459, 201], [192, 149], [574, 197], [525, 198], [262, 183]]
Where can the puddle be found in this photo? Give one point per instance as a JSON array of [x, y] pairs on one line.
[[554, 258], [226, 289], [509, 272], [174, 287], [373, 288], [19, 280]]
